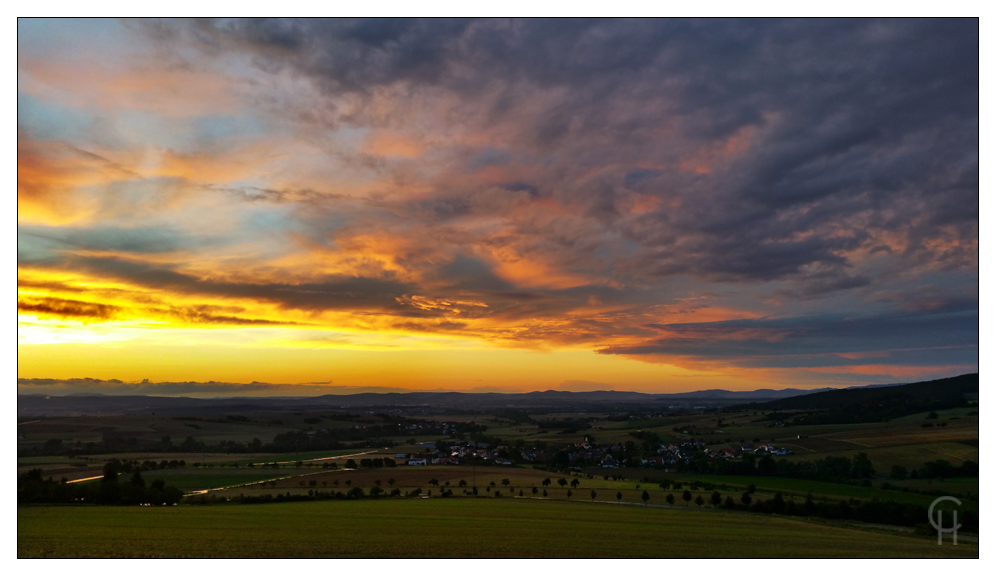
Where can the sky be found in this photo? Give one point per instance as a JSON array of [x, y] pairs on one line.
[[300, 206]]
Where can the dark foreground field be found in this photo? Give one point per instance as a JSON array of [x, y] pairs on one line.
[[448, 528]]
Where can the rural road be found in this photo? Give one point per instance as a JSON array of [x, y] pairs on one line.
[[255, 464], [316, 459]]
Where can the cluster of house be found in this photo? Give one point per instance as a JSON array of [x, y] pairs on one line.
[[589, 454], [453, 454], [581, 454], [608, 456], [427, 427], [685, 449], [765, 450]]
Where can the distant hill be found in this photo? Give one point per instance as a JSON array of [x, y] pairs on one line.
[[869, 404], [32, 405], [29, 405]]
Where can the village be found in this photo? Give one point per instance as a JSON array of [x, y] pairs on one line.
[[586, 453]]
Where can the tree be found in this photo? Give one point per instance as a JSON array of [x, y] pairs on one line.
[[687, 497], [575, 483], [544, 494], [505, 481], [699, 501], [189, 444], [569, 493], [520, 494], [535, 490], [861, 466], [562, 482], [670, 499], [546, 482], [745, 498], [646, 497], [618, 495], [391, 481], [716, 499], [137, 480], [111, 471], [593, 494], [351, 464], [463, 483]]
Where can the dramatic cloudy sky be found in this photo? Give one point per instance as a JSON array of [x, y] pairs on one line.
[[646, 205]]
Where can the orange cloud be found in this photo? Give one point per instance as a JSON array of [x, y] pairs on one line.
[[50, 173], [177, 91], [705, 159], [383, 143]]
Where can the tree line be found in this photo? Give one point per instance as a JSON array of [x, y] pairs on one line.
[[34, 488]]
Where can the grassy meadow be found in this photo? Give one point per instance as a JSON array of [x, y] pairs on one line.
[[474, 528]]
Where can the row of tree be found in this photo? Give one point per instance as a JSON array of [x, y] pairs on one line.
[[33, 488], [829, 469], [372, 463], [871, 511], [937, 469]]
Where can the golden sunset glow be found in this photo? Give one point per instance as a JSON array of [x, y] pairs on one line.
[[198, 201]]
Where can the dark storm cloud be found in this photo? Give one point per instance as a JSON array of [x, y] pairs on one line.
[[207, 314], [858, 125], [430, 327], [336, 293], [47, 307], [925, 338], [62, 308]]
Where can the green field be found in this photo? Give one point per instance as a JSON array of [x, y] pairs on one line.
[[203, 479], [447, 528], [826, 490]]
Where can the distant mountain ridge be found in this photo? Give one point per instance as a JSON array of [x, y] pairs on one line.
[[873, 404], [941, 390], [97, 403]]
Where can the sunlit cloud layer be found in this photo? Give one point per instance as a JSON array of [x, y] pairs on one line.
[[714, 203]]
